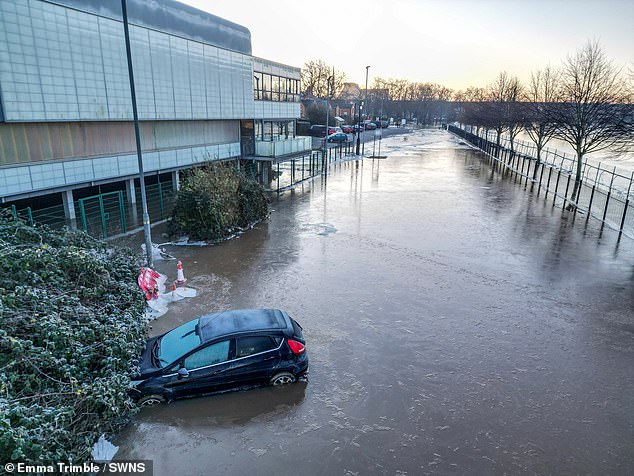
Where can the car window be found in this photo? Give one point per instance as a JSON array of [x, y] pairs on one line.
[[212, 354], [178, 342], [253, 345]]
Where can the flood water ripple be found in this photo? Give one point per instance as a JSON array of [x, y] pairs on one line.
[[456, 324]]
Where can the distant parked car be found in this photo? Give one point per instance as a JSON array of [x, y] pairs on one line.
[[347, 129], [370, 126], [338, 137], [220, 352], [384, 124], [334, 129], [317, 130]]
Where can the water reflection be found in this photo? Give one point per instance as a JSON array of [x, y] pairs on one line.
[[457, 324], [229, 409]]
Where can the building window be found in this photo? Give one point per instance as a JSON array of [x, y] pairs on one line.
[[258, 83], [274, 130], [267, 87]]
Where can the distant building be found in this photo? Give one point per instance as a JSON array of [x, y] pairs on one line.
[[344, 109], [350, 92], [65, 110]]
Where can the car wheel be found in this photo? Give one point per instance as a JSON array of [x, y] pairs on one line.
[[283, 378], [151, 400]]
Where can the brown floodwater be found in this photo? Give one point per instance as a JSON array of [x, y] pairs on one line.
[[456, 324]]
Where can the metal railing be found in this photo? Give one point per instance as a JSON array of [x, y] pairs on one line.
[[106, 215], [289, 173], [111, 214], [603, 194], [279, 148]]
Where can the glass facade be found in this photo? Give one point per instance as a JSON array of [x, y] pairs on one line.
[[274, 130], [61, 64], [270, 87], [65, 107]]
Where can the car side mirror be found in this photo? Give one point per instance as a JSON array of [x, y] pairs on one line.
[[183, 373]]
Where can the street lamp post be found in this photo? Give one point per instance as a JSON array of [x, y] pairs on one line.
[[328, 81], [360, 109], [135, 116]]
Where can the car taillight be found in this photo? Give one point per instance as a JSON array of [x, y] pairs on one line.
[[296, 347]]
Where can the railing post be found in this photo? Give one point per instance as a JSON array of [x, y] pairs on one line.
[[590, 204], [122, 211], [82, 213], [607, 202], [627, 204], [557, 186], [566, 192], [102, 212]]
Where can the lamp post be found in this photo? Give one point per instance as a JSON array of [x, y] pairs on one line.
[[360, 109], [328, 81], [135, 117]]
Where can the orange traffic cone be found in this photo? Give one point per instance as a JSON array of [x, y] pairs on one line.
[[180, 277]]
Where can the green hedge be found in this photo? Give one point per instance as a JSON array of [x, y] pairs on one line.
[[71, 324], [214, 201]]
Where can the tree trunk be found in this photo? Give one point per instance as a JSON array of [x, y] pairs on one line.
[[575, 190], [539, 160]]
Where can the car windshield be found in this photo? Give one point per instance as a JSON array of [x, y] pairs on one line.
[[178, 342]]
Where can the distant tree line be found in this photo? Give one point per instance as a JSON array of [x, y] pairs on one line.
[[425, 103], [587, 102]]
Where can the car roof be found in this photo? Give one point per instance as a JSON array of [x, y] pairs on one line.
[[224, 323]]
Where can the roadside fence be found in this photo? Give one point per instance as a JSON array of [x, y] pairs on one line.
[[106, 215], [112, 214], [603, 194]]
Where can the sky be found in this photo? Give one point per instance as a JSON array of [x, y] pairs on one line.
[[456, 43]]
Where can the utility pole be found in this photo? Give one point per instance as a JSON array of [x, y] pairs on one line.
[[135, 116]]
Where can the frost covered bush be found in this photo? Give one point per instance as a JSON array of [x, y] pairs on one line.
[[215, 200], [71, 328]]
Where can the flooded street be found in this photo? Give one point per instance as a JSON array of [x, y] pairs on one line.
[[456, 324]]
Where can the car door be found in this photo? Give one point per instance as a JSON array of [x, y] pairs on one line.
[[207, 371], [256, 359]]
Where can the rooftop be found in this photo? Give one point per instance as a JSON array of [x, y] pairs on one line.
[[243, 320], [172, 17]]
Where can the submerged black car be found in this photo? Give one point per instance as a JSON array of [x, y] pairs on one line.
[[220, 352]]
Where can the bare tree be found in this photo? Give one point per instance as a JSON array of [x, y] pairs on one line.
[[501, 111], [315, 79], [591, 111], [471, 107], [540, 94]]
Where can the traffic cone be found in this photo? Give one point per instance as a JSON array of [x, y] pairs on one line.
[[174, 295], [180, 277]]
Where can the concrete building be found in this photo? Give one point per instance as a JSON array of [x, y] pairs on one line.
[[65, 110]]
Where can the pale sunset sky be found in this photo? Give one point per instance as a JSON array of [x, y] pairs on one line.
[[456, 43]]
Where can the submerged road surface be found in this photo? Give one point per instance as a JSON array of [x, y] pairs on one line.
[[456, 324]]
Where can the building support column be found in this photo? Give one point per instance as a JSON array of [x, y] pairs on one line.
[[266, 166], [130, 191], [69, 207], [176, 180]]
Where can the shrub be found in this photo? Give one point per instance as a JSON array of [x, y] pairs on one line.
[[215, 200], [71, 326]]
